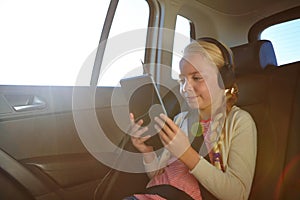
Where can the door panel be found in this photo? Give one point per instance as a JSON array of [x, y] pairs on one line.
[[46, 143]]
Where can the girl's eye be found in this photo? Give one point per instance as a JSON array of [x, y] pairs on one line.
[[197, 78]]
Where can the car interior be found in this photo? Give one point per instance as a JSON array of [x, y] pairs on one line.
[[43, 156]]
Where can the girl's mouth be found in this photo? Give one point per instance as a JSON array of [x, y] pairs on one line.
[[191, 98]]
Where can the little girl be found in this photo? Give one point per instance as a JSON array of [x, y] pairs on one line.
[[228, 134]]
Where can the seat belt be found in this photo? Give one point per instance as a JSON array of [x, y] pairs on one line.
[[195, 134], [168, 192], [197, 142], [22, 175]]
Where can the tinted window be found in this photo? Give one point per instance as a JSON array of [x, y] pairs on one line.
[[125, 48], [182, 38], [47, 42], [285, 39]]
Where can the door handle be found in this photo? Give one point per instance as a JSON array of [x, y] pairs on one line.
[[33, 103]]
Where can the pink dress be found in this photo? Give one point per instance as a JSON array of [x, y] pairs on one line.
[[176, 174]]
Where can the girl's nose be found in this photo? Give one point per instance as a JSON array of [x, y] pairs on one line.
[[186, 85]]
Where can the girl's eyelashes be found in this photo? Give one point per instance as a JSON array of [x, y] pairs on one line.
[[182, 80], [197, 78]]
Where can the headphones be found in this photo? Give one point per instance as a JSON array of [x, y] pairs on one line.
[[226, 77]]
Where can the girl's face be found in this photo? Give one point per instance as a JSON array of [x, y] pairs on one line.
[[193, 86]]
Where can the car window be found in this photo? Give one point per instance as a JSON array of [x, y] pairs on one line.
[[125, 48], [47, 42], [285, 40], [181, 39]]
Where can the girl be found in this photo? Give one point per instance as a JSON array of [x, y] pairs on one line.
[[228, 134]]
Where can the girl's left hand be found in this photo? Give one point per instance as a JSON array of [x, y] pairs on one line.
[[173, 138]]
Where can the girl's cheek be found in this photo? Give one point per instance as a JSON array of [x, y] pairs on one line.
[[201, 86]]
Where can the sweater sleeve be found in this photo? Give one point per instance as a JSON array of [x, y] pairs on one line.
[[235, 182], [151, 168]]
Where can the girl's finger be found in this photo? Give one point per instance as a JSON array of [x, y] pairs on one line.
[[164, 137], [131, 118], [145, 138], [169, 122], [164, 127], [141, 139], [134, 126], [138, 133]]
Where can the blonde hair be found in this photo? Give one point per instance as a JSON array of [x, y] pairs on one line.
[[213, 53]]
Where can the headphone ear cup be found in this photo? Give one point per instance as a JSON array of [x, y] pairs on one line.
[[220, 81], [226, 77]]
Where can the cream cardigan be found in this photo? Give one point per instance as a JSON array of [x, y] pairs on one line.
[[238, 150]]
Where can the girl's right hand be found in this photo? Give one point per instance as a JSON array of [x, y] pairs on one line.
[[136, 133]]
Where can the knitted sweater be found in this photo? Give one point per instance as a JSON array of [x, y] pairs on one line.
[[238, 151]]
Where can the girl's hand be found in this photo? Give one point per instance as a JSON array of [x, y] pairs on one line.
[[137, 140], [174, 139]]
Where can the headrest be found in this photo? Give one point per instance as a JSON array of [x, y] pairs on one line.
[[252, 90], [253, 57]]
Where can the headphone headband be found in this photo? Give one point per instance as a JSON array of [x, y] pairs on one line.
[[226, 71]]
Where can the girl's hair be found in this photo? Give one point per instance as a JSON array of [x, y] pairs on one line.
[[212, 51], [231, 94], [214, 55]]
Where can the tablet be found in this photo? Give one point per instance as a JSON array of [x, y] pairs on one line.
[[145, 102]]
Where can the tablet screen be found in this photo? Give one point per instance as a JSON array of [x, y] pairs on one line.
[[144, 101]]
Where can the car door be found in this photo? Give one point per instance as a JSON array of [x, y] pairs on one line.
[[44, 150]]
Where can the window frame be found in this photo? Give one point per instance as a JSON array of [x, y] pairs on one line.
[[192, 35], [150, 54], [104, 35], [284, 16], [259, 27]]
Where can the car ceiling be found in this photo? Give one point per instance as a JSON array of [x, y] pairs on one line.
[[241, 7]]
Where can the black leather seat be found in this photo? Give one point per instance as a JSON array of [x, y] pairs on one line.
[[271, 95], [285, 111], [251, 62]]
